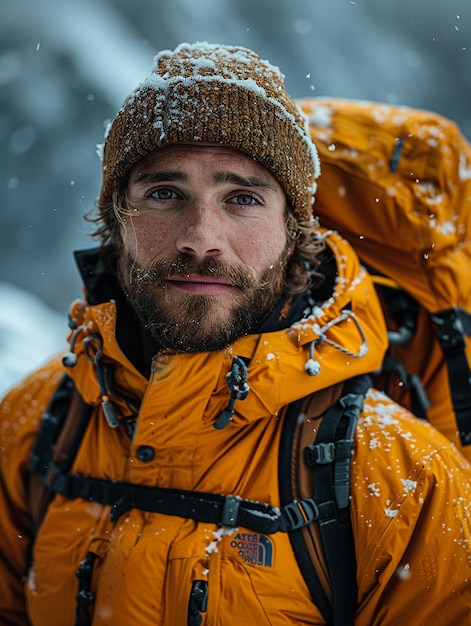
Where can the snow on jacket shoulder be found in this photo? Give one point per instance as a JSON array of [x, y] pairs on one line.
[[410, 488], [411, 501]]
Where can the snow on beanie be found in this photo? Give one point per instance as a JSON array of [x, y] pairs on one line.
[[216, 94]]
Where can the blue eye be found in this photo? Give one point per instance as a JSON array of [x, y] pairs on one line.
[[163, 193], [245, 199]]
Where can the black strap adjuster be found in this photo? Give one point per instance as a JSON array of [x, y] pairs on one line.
[[319, 453], [298, 514], [450, 330], [230, 511]]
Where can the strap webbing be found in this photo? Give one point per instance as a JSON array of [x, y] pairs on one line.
[[62, 428], [308, 561], [451, 326], [330, 459], [226, 510]]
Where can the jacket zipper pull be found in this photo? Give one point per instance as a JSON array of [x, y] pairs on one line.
[[198, 602], [84, 597]]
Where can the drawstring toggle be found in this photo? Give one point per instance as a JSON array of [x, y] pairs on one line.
[[236, 380]]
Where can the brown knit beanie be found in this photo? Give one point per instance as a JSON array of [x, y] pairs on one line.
[[215, 94]]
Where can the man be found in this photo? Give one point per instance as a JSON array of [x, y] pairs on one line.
[[214, 302]]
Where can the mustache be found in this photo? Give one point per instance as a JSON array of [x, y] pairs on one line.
[[159, 271]]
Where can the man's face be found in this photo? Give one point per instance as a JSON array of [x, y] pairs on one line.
[[204, 246]]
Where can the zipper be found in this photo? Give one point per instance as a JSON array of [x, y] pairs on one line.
[[85, 597], [198, 602]]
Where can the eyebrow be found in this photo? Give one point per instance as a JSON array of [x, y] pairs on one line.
[[219, 178], [157, 177]]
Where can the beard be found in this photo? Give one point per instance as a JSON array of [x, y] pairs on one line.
[[184, 322]]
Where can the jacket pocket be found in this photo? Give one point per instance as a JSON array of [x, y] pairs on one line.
[[214, 591]]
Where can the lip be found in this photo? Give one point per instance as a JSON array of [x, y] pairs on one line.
[[202, 285]]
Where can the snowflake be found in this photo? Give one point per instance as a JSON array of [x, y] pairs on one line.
[[409, 485], [374, 443], [374, 489]]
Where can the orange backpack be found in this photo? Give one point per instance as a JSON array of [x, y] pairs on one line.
[[396, 182]]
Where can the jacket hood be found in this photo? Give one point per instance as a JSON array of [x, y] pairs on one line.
[[309, 342]]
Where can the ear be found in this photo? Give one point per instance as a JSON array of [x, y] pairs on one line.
[[292, 231]]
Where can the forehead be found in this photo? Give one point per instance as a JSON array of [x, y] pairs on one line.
[[201, 155]]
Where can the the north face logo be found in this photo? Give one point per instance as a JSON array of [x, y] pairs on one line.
[[253, 548]]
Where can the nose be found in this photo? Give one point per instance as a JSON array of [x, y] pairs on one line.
[[202, 233]]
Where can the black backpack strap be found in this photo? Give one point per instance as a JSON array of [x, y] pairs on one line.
[[60, 434], [403, 310], [292, 483], [329, 459], [451, 326], [325, 551], [226, 510]]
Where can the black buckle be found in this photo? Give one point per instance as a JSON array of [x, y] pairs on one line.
[[299, 513], [450, 331], [49, 473], [319, 453]]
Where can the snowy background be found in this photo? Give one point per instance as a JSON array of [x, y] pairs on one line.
[[66, 66]]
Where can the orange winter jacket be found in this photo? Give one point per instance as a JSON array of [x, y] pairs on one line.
[[411, 490]]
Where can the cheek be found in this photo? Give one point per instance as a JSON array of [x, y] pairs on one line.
[[263, 244], [144, 239]]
